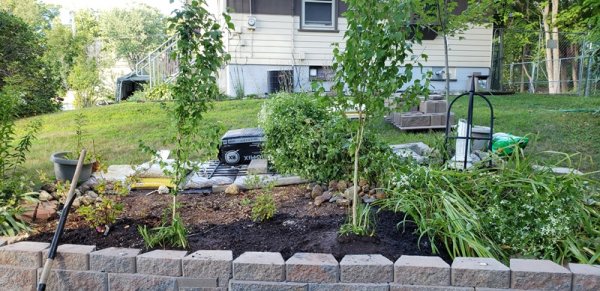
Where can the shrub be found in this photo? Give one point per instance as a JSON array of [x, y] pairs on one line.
[[264, 207], [102, 214], [511, 211], [15, 188], [304, 137]]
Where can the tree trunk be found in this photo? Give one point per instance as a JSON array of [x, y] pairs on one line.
[[575, 67], [549, 14], [359, 137], [556, 49]]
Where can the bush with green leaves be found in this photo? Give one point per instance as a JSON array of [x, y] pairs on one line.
[[15, 187], [101, 215], [264, 207], [509, 211]]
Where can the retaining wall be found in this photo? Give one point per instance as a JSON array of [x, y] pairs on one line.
[[82, 267]]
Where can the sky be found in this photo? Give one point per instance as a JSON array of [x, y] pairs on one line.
[[73, 5]]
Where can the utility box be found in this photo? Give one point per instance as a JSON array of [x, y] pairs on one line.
[[241, 146]]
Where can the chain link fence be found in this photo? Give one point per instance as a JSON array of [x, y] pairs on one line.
[[522, 60]]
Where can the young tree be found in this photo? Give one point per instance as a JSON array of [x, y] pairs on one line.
[[201, 53], [132, 34], [372, 66]]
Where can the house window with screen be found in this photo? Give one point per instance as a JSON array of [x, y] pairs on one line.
[[318, 14]]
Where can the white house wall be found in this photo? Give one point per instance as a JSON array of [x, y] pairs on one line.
[[277, 43]]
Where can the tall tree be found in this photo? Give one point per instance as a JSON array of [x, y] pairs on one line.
[[549, 21], [33, 12], [132, 33]]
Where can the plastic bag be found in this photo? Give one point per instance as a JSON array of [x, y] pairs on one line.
[[504, 144]]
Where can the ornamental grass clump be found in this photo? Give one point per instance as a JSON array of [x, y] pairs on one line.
[[509, 211]]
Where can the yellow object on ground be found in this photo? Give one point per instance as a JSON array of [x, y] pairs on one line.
[[152, 183]]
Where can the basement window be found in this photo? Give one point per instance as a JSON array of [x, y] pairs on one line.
[[320, 73], [318, 14]]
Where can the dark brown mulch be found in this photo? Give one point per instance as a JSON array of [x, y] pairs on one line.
[[219, 221]]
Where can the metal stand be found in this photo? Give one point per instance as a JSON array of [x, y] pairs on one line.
[[468, 137]]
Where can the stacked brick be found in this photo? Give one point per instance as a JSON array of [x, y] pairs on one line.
[[82, 267], [430, 114]]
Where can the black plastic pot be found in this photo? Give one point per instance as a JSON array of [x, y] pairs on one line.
[[64, 168]]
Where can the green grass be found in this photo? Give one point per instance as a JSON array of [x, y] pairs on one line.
[[117, 129]]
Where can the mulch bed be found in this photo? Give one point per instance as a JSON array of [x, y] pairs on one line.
[[220, 221]]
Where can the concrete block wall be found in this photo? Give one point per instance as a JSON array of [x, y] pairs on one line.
[[82, 267]]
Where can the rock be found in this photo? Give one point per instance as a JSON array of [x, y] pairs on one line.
[[333, 185], [163, 189], [342, 185], [76, 202], [77, 193], [86, 200], [368, 199], [349, 193], [89, 184], [319, 200], [327, 195], [307, 195], [91, 194], [372, 192], [363, 183], [45, 196], [310, 186], [418, 148], [343, 202], [44, 212], [49, 187], [316, 191], [98, 199], [197, 181], [380, 195], [232, 189], [335, 198], [366, 188]]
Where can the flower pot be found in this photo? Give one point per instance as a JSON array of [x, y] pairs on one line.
[[64, 168]]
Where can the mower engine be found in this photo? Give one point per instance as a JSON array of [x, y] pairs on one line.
[[240, 146]]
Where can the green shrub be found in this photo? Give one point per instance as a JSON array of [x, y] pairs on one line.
[[102, 214], [264, 207], [365, 225], [510, 211], [304, 137]]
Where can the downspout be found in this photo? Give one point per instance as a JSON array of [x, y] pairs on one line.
[[296, 75]]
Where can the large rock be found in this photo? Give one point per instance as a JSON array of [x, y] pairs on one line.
[[316, 191], [232, 189], [248, 182], [349, 193], [45, 196]]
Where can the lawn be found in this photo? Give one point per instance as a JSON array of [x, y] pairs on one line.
[[117, 129]]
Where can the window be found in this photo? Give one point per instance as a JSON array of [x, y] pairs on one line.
[[320, 73], [318, 14]]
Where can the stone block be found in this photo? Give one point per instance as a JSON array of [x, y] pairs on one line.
[[235, 285], [139, 282], [479, 272], [415, 120], [441, 106], [312, 268], [259, 266], [258, 166], [399, 287], [496, 289], [71, 257], [64, 280], [585, 277], [196, 283], [366, 269], [348, 287], [539, 274], [421, 270], [160, 262], [427, 106], [208, 265], [23, 254], [17, 278], [114, 260], [438, 119]]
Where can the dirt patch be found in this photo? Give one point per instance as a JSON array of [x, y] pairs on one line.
[[219, 221]]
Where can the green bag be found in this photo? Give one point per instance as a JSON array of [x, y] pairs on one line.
[[504, 144]]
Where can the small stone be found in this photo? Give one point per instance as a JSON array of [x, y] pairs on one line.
[[363, 183], [332, 185], [310, 186], [319, 200], [49, 187], [45, 196], [342, 202], [372, 192], [91, 194], [380, 194], [316, 191], [342, 185], [366, 188], [86, 200], [162, 189], [307, 195], [349, 193], [327, 195], [76, 202], [232, 189], [98, 199], [368, 199], [335, 198]]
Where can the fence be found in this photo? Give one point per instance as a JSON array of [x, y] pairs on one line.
[[521, 63]]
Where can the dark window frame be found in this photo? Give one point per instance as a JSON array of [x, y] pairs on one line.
[[317, 28]]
